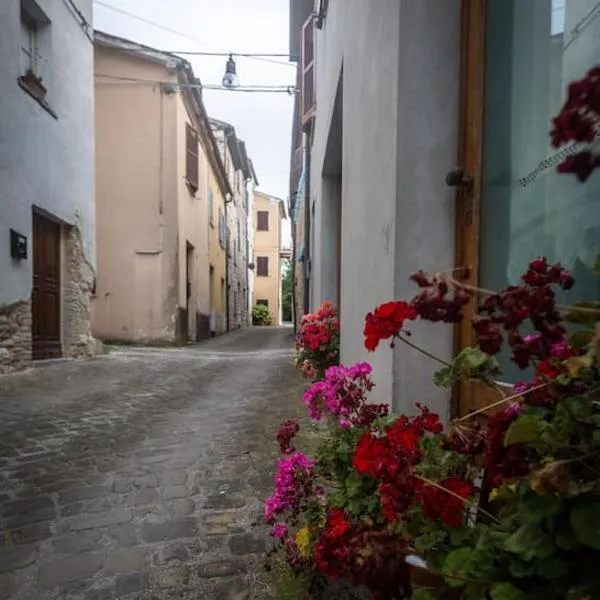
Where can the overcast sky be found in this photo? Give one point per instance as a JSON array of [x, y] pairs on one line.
[[262, 120]]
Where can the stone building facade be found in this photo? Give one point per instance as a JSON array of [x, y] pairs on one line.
[[240, 174], [47, 263]]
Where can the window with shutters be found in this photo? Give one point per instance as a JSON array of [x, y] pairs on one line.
[[222, 229], [262, 220], [191, 153], [307, 85], [211, 208], [262, 266]]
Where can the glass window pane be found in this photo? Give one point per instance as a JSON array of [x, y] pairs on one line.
[[534, 49]]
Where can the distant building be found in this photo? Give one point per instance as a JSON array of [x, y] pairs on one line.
[[241, 177], [161, 187], [269, 212], [47, 257]]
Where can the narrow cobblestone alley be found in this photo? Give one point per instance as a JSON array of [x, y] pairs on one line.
[[140, 474]]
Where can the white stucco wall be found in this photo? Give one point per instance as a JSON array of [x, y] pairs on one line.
[[399, 60], [45, 161]]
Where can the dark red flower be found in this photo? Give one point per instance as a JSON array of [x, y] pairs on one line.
[[385, 322], [286, 433], [501, 461], [439, 504]]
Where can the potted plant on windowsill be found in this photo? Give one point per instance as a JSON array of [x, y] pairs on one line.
[[33, 84]]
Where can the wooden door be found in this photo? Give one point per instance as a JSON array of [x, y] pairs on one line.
[[46, 289], [518, 59]]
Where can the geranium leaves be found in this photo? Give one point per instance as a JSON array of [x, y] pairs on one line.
[[525, 429], [531, 541], [585, 521], [470, 363], [506, 591]]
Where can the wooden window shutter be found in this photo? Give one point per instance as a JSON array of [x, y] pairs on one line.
[[191, 167], [308, 84], [262, 266], [262, 220]]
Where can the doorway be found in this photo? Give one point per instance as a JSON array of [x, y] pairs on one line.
[[189, 271], [46, 296]]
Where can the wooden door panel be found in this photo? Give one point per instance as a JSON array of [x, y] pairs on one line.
[[46, 289]]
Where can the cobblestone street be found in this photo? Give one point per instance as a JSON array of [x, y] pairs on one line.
[[140, 474]]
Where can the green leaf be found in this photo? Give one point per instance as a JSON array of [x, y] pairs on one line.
[[535, 508], [585, 521], [456, 567], [552, 569], [506, 591], [581, 339], [444, 378], [530, 541], [580, 407], [422, 594], [469, 363], [527, 428], [521, 569]]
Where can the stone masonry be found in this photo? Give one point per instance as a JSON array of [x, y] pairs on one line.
[[15, 337], [77, 294], [141, 474]]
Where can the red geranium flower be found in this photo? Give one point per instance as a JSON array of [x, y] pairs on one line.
[[439, 504], [386, 321]]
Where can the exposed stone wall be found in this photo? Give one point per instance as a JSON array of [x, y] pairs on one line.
[[15, 336], [78, 341]]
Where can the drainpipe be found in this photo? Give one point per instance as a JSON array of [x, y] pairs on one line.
[[228, 199], [165, 88], [307, 226]]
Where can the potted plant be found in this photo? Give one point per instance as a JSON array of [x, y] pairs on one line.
[[33, 84]]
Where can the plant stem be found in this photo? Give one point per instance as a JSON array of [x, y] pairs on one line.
[[499, 402], [464, 500], [432, 356], [486, 292]]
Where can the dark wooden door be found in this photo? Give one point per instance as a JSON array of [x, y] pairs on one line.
[[46, 289]]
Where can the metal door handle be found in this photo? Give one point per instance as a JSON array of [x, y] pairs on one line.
[[458, 178]]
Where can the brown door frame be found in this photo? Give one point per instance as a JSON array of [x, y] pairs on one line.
[[43, 346], [471, 395]]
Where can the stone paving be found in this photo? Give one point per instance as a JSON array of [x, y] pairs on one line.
[[140, 474]]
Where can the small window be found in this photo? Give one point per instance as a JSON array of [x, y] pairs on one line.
[[222, 230], [36, 50], [30, 53], [262, 220], [262, 266], [211, 208], [262, 303], [191, 152]]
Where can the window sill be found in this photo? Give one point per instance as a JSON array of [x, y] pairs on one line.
[[41, 101]]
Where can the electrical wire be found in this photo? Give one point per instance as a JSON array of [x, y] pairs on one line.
[[85, 25], [121, 80], [261, 57]]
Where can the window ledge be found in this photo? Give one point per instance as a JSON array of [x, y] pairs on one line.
[[39, 100]]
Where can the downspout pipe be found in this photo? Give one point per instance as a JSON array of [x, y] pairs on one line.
[[307, 227]]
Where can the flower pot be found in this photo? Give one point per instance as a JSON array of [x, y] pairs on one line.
[[33, 85]]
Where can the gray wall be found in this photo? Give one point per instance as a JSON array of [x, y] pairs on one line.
[[45, 161], [399, 60], [427, 129]]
